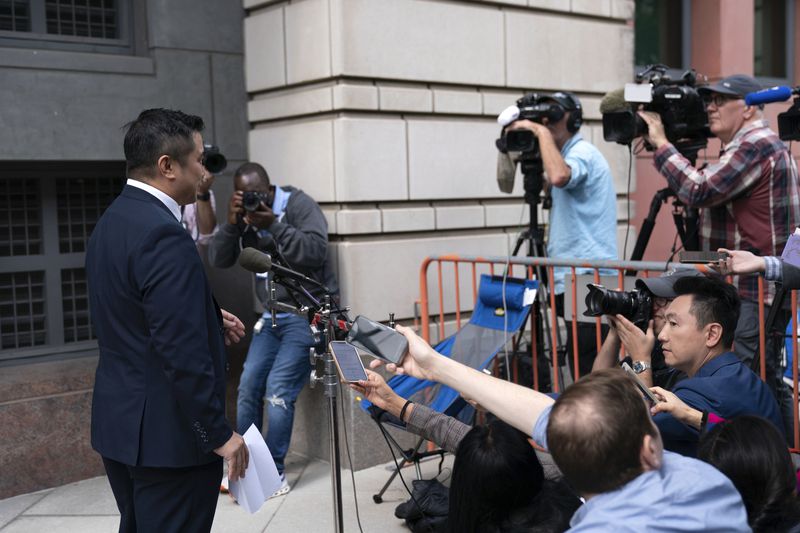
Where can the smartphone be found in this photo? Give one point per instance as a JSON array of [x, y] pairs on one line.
[[377, 340], [649, 396], [702, 257], [348, 362]]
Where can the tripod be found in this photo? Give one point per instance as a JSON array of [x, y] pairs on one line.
[[533, 183], [686, 219]]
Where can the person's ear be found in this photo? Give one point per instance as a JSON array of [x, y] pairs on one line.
[[166, 166], [749, 112], [713, 333], [650, 454]]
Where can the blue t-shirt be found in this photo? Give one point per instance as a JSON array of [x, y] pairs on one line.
[[685, 494], [583, 218], [723, 386]]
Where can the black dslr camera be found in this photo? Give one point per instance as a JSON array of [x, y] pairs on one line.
[[534, 107], [635, 305], [213, 159], [677, 101], [252, 199]]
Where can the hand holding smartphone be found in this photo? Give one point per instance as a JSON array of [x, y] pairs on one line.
[[377, 340], [702, 257], [648, 395], [348, 362]]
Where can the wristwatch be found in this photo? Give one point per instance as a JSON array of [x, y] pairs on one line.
[[204, 197], [640, 366]]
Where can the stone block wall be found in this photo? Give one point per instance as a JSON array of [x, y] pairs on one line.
[[384, 112]]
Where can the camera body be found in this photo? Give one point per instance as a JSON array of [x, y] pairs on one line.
[[678, 103], [252, 199], [534, 107], [635, 305], [213, 159]]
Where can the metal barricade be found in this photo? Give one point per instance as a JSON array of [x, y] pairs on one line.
[[643, 269]]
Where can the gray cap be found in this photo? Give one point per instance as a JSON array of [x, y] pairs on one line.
[[736, 85], [661, 287]]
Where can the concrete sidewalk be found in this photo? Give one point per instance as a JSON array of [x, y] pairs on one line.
[[88, 506]]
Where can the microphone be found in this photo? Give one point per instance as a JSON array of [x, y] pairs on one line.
[[508, 115], [259, 262], [506, 171], [614, 101], [779, 93]]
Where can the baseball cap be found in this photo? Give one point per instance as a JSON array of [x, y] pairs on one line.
[[661, 287], [736, 85]]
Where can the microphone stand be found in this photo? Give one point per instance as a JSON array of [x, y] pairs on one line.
[[325, 372]]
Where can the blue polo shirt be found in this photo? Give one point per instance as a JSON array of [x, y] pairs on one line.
[[723, 386], [685, 494], [583, 218]]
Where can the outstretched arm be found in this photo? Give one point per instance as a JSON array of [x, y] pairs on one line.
[[512, 403]]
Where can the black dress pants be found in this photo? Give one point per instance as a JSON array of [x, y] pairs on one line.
[[165, 500]]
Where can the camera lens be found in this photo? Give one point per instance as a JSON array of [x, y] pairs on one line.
[[250, 201], [601, 301]]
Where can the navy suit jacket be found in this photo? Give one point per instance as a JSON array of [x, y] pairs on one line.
[[159, 394], [723, 386]]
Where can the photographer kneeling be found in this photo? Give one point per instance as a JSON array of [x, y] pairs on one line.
[[642, 349]]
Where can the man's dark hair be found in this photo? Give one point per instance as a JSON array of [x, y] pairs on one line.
[[157, 132], [752, 453], [253, 168], [596, 431], [713, 300]]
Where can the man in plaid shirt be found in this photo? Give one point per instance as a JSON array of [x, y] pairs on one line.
[[750, 197]]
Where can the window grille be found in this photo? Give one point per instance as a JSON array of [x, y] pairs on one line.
[[20, 206], [15, 15], [80, 203], [75, 305], [22, 315], [82, 18]]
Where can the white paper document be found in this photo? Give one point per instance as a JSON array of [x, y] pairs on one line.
[[261, 479]]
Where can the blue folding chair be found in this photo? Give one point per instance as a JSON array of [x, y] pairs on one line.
[[494, 321]]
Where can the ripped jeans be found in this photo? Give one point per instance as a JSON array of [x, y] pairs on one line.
[[276, 369]]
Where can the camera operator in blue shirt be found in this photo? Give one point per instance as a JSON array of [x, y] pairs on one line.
[[583, 214]]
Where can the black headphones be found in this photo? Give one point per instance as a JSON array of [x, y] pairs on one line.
[[570, 103]]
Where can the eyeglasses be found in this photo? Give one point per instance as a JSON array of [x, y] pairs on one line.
[[720, 100], [660, 302]]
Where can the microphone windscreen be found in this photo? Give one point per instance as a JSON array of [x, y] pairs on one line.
[[506, 170], [508, 115], [614, 101], [255, 261], [781, 93]]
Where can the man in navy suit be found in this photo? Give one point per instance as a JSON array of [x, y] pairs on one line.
[[158, 410]]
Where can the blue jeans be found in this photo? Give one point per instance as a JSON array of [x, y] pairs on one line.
[[276, 368]]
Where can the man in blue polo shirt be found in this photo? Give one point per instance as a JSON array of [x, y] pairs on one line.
[[601, 436], [696, 339]]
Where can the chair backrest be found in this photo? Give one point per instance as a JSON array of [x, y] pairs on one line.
[[501, 309]]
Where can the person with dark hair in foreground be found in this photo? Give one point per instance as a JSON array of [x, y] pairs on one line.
[[753, 454], [158, 407], [696, 339], [616, 459], [498, 482], [499, 485]]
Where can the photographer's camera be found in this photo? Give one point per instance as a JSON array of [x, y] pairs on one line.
[[635, 305]]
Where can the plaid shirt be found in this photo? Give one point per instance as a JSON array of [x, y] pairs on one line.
[[751, 196]]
